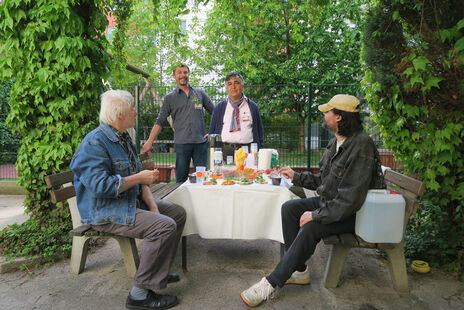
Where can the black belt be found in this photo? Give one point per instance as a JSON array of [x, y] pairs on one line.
[[236, 145]]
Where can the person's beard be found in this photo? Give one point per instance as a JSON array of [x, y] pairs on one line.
[[324, 125]]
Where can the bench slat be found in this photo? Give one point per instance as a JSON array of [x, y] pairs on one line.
[[386, 246], [58, 179], [364, 244], [58, 195], [415, 186], [163, 189], [332, 239], [80, 230], [349, 239]]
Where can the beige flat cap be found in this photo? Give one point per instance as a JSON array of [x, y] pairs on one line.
[[341, 102]]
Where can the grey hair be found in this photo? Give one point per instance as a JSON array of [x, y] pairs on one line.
[[113, 103], [235, 74]]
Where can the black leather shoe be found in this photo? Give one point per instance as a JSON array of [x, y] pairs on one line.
[[173, 277], [153, 301]]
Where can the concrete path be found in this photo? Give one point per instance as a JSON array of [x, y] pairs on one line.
[[218, 270], [11, 210]]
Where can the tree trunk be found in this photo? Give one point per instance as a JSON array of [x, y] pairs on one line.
[[302, 136]]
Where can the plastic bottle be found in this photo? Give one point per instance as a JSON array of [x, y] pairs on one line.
[[274, 158], [217, 158], [254, 155]]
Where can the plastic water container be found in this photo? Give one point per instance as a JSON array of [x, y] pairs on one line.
[[217, 157], [381, 217]]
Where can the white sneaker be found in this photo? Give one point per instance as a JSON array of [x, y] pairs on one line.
[[299, 277], [256, 294]]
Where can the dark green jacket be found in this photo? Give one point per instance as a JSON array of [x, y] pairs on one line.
[[344, 178]]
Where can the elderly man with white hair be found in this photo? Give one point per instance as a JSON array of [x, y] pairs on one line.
[[113, 196]]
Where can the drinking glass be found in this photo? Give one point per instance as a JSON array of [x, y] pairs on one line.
[[201, 172]]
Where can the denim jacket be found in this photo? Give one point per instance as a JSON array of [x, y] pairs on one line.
[[99, 166], [345, 177]]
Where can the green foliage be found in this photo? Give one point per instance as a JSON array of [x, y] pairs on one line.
[[284, 42], [414, 82], [56, 53], [431, 236], [122, 10], [157, 40], [32, 237], [9, 142], [289, 44], [281, 132]]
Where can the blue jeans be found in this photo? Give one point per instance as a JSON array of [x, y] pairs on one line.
[[300, 242], [184, 152]]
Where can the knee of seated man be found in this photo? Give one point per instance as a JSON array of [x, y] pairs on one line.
[[287, 208], [182, 214], [167, 226], [312, 230], [171, 225]]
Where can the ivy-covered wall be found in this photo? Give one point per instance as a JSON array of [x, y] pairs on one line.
[[55, 51]]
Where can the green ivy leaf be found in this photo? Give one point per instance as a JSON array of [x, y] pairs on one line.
[[416, 79], [460, 24], [431, 81], [420, 63], [459, 45]]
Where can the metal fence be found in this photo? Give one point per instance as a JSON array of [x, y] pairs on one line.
[[292, 123], [9, 145]]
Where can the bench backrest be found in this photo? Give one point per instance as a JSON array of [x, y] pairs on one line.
[[411, 189], [61, 188]]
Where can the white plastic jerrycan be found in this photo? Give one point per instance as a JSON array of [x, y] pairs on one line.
[[381, 217]]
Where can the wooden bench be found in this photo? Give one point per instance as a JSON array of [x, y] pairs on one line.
[[61, 189], [411, 189]]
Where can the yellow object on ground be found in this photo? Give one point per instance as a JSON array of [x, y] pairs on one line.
[[420, 266]]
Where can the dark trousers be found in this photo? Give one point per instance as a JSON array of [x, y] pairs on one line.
[[301, 242], [184, 153]]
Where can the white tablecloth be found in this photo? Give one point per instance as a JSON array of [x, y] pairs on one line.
[[234, 211]]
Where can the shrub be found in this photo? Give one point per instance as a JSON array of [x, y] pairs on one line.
[[414, 83]]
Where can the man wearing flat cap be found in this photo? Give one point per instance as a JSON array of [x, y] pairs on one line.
[[349, 167]]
